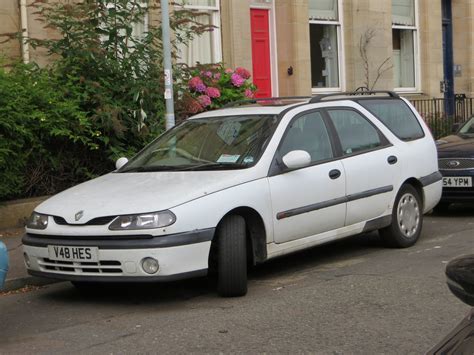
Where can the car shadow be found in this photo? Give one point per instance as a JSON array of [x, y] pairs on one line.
[[456, 210], [184, 290]]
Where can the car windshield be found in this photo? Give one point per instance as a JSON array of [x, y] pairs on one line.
[[220, 143], [468, 128]]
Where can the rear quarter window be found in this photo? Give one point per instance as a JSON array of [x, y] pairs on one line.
[[397, 116]]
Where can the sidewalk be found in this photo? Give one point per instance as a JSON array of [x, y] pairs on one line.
[[17, 276]]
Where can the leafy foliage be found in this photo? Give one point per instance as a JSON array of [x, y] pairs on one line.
[[47, 143], [100, 98]]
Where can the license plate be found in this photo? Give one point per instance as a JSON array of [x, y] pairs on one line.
[[66, 253], [457, 181]]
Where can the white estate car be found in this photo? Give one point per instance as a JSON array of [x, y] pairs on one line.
[[238, 186]]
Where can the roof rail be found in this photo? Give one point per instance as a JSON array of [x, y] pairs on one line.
[[320, 98], [254, 101]]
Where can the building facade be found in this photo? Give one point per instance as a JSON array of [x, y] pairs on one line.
[[420, 48]]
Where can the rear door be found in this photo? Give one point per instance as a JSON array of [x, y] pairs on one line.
[[370, 165]]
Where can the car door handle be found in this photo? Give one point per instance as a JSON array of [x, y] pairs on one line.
[[392, 159], [334, 174]]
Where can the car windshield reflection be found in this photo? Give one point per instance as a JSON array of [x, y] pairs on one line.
[[221, 143]]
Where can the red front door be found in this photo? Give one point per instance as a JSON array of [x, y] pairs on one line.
[[262, 76]]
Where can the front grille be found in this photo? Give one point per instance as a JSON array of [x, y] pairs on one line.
[[99, 221], [104, 267], [456, 164]]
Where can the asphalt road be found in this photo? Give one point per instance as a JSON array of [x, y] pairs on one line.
[[352, 296]]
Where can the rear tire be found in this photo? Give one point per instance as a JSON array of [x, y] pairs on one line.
[[232, 257], [407, 219]]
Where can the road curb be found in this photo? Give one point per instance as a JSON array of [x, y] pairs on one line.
[[15, 284]]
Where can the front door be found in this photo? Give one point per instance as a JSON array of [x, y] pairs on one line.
[[309, 200], [260, 32]]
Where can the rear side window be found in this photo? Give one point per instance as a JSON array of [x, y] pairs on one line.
[[397, 116], [355, 133]]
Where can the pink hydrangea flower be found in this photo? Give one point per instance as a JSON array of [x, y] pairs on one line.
[[237, 80], [204, 100], [244, 73], [195, 82], [193, 106], [249, 93], [217, 76], [213, 92], [229, 71]]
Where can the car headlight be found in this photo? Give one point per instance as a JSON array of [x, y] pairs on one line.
[[143, 221], [37, 221]]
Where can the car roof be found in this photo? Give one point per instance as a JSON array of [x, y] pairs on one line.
[[276, 105]]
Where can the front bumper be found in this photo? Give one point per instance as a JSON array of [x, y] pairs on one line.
[[458, 194], [179, 256]]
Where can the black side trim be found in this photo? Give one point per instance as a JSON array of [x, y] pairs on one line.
[[334, 202], [184, 275], [368, 193], [377, 223], [107, 242], [431, 179], [313, 207]]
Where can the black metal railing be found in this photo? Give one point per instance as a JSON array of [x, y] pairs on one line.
[[434, 110]]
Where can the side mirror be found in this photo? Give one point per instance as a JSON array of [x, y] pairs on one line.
[[455, 127], [460, 274], [121, 162], [297, 159]]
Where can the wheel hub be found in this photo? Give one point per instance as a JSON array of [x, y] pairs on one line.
[[408, 215]]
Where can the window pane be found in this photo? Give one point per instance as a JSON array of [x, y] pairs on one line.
[[403, 12], [200, 49], [355, 132], [397, 116], [197, 2], [324, 56], [323, 10], [403, 58], [308, 133]]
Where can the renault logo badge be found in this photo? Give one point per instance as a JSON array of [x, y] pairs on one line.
[[78, 215], [454, 164]]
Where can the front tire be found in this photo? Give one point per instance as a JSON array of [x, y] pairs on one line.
[[232, 257], [407, 219]]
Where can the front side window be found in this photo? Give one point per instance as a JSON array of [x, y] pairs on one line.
[[355, 133], [308, 132], [324, 35], [397, 116], [232, 142], [203, 48], [404, 43]]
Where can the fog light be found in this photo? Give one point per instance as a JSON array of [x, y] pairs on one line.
[[150, 265], [27, 260]]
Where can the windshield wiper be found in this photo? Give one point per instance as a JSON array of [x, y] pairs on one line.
[[215, 166], [146, 169]]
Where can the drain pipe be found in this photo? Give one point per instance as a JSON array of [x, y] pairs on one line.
[[25, 48]]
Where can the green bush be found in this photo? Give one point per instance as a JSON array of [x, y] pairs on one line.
[[47, 143], [101, 97]]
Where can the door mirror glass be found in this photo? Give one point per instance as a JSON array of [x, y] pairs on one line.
[[121, 162], [460, 274], [297, 159]]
